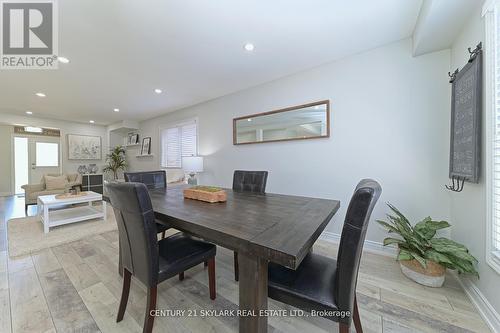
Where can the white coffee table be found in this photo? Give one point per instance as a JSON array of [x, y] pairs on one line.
[[51, 217]]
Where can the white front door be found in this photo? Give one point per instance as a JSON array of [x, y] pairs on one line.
[[44, 156]]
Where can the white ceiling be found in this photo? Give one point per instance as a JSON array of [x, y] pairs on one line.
[[439, 23], [120, 50]]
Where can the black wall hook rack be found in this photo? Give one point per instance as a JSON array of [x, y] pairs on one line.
[[465, 132], [457, 184], [453, 75], [473, 54]]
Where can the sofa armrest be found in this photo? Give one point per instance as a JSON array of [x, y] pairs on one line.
[[33, 187]]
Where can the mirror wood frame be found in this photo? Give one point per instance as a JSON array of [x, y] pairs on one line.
[[292, 108]]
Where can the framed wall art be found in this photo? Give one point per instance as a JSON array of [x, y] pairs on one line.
[[84, 147]]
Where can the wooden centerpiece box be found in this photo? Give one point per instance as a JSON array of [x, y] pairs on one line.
[[206, 193]]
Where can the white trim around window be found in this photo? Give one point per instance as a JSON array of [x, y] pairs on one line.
[[488, 6], [492, 73], [177, 125]]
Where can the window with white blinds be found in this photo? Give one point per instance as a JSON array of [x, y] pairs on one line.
[[178, 142], [492, 71], [496, 138]]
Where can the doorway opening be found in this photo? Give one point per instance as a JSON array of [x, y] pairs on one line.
[[35, 156], [20, 164]]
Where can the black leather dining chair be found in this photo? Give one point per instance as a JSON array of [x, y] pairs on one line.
[[152, 180], [321, 283], [247, 181], [149, 260]]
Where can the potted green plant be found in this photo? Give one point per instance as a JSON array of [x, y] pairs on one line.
[[422, 256], [115, 161]]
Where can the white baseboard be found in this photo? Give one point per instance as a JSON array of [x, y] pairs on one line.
[[369, 246], [5, 194], [483, 306]]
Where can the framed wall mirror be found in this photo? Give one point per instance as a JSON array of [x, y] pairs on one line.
[[307, 121]]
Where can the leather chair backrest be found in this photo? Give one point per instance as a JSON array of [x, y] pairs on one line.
[[250, 181], [137, 230], [152, 179], [351, 242]]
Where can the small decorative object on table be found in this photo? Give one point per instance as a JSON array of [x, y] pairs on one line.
[[422, 257], [206, 193]]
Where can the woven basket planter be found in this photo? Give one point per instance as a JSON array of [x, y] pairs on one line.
[[432, 276], [198, 193]]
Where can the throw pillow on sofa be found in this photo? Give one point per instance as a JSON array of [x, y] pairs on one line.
[[56, 182]]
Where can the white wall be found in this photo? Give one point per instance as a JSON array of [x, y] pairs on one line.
[[65, 127], [5, 166], [468, 208], [389, 122]]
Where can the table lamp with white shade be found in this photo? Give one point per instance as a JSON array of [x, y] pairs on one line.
[[192, 165]]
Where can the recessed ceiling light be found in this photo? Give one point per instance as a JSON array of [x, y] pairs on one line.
[[249, 119], [116, 110], [158, 91], [40, 94], [29, 112], [64, 60], [249, 47], [91, 121]]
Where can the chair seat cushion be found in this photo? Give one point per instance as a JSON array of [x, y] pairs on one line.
[[180, 252], [310, 287]]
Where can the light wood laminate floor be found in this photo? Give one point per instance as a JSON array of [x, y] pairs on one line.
[[76, 288]]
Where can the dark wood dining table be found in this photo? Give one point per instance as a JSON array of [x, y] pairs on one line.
[[262, 228]]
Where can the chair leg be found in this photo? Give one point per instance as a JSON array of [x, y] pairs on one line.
[[236, 268], [125, 291], [181, 276], [356, 319], [211, 277], [343, 328], [26, 210], [163, 235], [150, 306]]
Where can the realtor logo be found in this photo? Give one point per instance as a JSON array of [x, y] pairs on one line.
[[28, 34]]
